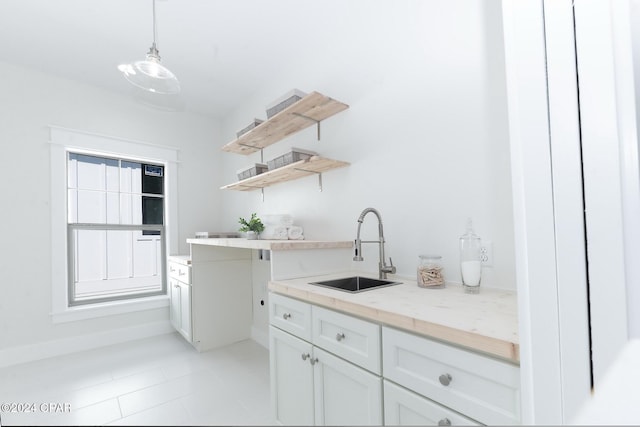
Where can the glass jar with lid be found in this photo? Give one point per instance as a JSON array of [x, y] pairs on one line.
[[430, 274], [470, 260]]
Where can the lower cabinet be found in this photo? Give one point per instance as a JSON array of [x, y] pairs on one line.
[[312, 386], [482, 388], [180, 307], [210, 293], [291, 378], [330, 368], [406, 408]]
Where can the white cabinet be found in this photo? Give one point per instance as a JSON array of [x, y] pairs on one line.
[[406, 408], [180, 296], [291, 378], [330, 368], [480, 387], [310, 385], [344, 393], [211, 298]]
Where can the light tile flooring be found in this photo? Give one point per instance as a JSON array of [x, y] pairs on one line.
[[156, 381]]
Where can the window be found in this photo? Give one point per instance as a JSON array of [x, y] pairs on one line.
[[105, 158], [115, 228]]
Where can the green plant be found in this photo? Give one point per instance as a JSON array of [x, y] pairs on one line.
[[254, 224]]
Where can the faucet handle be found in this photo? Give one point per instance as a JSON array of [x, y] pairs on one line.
[[389, 268]]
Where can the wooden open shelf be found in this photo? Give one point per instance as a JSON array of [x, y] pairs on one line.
[[308, 111], [311, 166]]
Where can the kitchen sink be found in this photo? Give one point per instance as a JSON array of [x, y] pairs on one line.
[[355, 283]]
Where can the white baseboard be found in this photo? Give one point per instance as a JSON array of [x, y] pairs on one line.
[[43, 350], [260, 337]]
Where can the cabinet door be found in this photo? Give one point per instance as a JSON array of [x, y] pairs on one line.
[[185, 310], [175, 304], [344, 393], [481, 387], [291, 378], [405, 408]]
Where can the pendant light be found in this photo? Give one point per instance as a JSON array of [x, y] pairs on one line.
[[150, 74]]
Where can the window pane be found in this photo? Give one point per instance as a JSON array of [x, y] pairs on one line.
[[115, 263], [152, 179], [110, 259], [91, 207]]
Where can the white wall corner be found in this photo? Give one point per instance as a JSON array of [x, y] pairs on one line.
[[44, 350]]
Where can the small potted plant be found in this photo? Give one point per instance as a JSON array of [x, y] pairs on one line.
[[252, 228]]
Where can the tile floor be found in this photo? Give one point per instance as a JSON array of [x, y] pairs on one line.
[[156, 381]]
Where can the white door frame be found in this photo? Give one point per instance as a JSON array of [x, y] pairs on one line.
[[608, 125], [547, 195]]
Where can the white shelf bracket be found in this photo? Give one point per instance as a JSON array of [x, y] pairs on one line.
[[317, 173], [311, 119]]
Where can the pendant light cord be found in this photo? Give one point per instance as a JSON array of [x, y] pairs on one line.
[[154, 21]]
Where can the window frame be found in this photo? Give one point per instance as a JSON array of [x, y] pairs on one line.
[[61, 142]]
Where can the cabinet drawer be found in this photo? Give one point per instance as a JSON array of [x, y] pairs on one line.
[[180, 272], [353, 339], [483, 388], [406, 408], [290, 315]]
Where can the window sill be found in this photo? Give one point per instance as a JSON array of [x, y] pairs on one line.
[[73, 314]]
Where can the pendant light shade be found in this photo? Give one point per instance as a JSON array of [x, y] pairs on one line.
[[150, 74]]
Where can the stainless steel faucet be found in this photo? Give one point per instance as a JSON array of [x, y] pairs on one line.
[[383, 268]]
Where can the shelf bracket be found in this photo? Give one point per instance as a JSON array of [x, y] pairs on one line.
[[253, 147], [317, 173], [311, 119]]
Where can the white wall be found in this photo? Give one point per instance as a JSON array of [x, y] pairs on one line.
[[426, 134], [30, 102]]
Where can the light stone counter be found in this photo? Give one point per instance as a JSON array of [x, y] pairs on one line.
[[276, 245], [486, 322]]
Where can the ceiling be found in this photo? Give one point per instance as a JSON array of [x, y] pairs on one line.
[[222, 51]]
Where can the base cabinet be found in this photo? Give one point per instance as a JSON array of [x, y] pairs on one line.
[[210, 294], [330, 368], [291, 378], [344, 394], [180, 307], [316, 372], [406, 408], [310, 386]]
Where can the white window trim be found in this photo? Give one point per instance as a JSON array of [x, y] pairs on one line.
[[62, 140]]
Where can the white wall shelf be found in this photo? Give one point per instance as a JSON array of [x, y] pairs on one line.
[[310, 110], [299, 169]]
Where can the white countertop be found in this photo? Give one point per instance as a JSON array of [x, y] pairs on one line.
[[485, 322], [276, 245]]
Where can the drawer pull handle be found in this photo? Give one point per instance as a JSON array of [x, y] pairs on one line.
[[181, 273], [286, 316], [313, 361], [340, 336], [445, 379], [444, 422], [171, 269], [305, 356]]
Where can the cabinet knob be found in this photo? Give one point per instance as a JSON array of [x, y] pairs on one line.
[[176, 286], [313, 361], [305, 356], [445, 379], [286, 316], [444, 422], [181, 273], [340, 336]]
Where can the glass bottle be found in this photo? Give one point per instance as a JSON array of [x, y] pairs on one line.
[[430, 272], [470, 260]]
